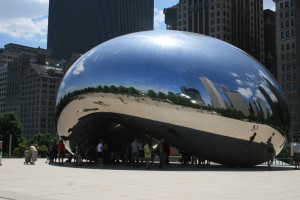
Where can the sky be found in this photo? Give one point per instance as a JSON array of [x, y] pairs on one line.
[[25, 22]]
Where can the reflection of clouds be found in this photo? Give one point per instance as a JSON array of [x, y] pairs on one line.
[[234, 74], [250, 84], [263, 75], [246, 92], [239, 82], [79, 68], [62, 85], [250, 76], [259, 95], [70, 89]]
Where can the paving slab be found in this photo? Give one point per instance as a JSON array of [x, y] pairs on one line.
[[51, 181]]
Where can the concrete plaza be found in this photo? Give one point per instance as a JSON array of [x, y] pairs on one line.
[[43, 181]]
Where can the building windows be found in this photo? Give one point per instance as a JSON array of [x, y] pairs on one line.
[[292, 33], [294, 86], [287, 24], [282, 34], [287, 34], [287, 14], [287, 46], [286, 4], [281, 5], [292, 22]]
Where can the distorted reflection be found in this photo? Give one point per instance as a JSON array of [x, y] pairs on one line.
[[192, 90]]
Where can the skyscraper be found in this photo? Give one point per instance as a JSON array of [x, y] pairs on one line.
[[239, 22], [288, 59], [79, 25], [270, 41]]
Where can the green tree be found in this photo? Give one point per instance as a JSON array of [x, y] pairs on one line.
[[152, 94], [9, 124], [162, 95], [43, 142]]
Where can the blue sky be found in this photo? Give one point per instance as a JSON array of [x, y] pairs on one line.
[[25, 21]]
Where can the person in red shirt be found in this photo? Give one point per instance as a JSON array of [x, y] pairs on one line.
[[61, 152]]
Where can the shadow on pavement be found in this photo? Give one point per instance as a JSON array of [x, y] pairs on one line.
[[175, 167]]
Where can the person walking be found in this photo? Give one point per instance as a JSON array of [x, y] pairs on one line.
[[1, 148], [99, 150], [297, 154], [148, 152], [270, 153], [61, 152]]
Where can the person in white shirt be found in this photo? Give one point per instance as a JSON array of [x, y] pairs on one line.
[[34, 153], [297, 154]]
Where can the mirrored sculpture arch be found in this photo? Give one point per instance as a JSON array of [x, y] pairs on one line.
[[204, 96]]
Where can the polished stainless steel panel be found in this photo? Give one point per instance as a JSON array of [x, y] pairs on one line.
[[203, 95]]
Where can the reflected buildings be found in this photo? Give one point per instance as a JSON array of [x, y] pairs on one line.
[[216, 99], [197, 101]]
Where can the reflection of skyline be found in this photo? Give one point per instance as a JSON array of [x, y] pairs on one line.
[[194, 94], [215, 97], [236, 101]]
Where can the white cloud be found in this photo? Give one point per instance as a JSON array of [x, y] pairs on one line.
[[79, 68], [239, 82], [25, 19], [234, 74], [29, 29], [246, 92], [269, 4], [159, 18]]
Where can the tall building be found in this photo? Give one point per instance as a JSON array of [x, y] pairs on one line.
[[288, 55], [79, 25], [270, 42], [239, 22], [28, 87], [31, 94], [3, 72], [11, 52]]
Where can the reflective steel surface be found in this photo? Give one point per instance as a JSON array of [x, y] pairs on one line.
[[204, 96]]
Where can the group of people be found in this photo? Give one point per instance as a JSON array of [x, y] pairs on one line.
[[57, 151], [136, 153]]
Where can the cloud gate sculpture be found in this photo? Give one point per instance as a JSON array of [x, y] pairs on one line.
[[204, 96]]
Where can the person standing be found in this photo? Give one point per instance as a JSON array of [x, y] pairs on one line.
[[297, 154], [163, 150], [33, 152], [141, 152], [1, 148], [135, 153], [99, 150], [61, 152], [148, 152], [270, 153]]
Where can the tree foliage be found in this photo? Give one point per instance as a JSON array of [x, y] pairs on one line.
[[10, 125], [42, 141]]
